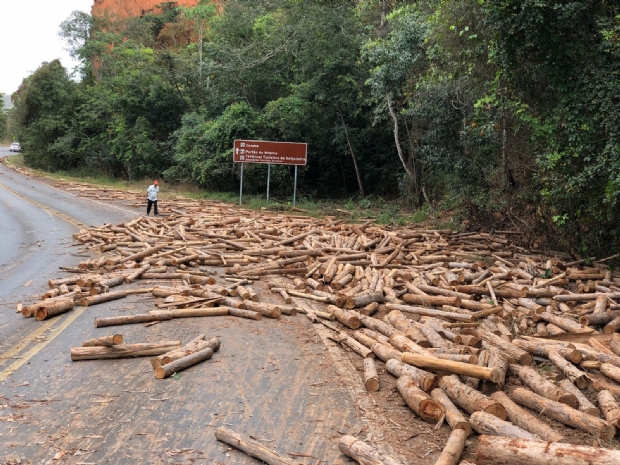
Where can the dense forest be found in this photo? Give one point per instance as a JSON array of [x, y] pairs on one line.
[[508, 110]]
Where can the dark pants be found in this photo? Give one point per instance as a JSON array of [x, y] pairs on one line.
[[152, 203]]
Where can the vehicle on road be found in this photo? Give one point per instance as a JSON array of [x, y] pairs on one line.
[[16, 147]]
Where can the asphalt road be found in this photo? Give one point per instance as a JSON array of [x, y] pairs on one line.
[[273, 379]]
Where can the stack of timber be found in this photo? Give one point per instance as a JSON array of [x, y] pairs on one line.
[[478, 332]]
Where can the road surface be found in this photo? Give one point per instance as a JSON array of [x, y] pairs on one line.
[[273, 380]]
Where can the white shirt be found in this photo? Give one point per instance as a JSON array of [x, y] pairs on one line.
[[152, 192]]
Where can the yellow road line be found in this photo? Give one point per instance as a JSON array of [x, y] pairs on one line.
[[21, 345], [47, 209], [48, 325], [37, 348]]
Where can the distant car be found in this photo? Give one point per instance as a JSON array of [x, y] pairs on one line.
[[16, 147]]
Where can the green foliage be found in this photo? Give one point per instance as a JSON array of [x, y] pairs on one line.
[[507, 110]]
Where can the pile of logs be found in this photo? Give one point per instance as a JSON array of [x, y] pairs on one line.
[[451, 315]]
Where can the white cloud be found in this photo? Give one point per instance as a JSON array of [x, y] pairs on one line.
[[29, 36]]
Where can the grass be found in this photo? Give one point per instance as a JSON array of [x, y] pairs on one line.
[[382, 211]]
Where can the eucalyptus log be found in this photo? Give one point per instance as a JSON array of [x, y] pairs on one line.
[[371, 379], [419, 401], [453, 449], [542, 386], [354, 345], [349, 319], [362, 453], [133, 319], [609, 407], [112, 340], [454, 417], [459, 368], [563, 413], [525, 420], [493, 450], [424, 379], [51, 307], [242, 313], [191, 347], [362, 300], [181, 364], [485, 423], [253, 448], [123, 351], [469, 399]]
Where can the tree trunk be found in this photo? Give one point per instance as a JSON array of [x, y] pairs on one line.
[[357, 170], [113, 340], [543, 387], [132, 319], [371, 379], [458, 368]]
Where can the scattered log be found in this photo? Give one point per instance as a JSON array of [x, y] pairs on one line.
[[542, 386], [469, 399], [494, 450], [454, 417], [112, 340], [459, 368], [609, 407], [451, 453], [525, 420], [362, 453], [424, 379], [371, 378], [485, 423], [563, 413], [133, 319], [419, 401], [182, 363], [251, 447], [123, 351]]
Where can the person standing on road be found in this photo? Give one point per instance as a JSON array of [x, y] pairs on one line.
[[151, 195]]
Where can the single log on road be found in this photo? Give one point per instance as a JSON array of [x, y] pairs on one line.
[[113, 340], [252, 448], [181, 364], [52, 307], [190, 348], [133, 319], [363, 453], [123, 351]]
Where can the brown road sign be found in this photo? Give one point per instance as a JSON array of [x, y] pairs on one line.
[[276, 153]]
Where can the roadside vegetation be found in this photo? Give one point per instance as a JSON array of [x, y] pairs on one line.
[[505, 112]]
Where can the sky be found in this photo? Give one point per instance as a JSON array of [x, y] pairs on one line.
[[29, 36]]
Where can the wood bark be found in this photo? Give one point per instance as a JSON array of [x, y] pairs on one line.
[[525, 420], [252, 448], [485, 423], [542, 386], [419, 401], [371, 379], [453, 449], [459, 368], [454, 417], [112, 340], [362, 453], [123, 351], [609, 407], [584, 404], [469, 399], [181, 364], [563, 413], [132, 319], [424, 379], [493, 450], [348, 319], [51, 307], [188, 349]]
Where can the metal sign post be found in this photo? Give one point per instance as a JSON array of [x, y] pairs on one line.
[[295, 188], [277, 153], [241, 186], [268, 179]]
